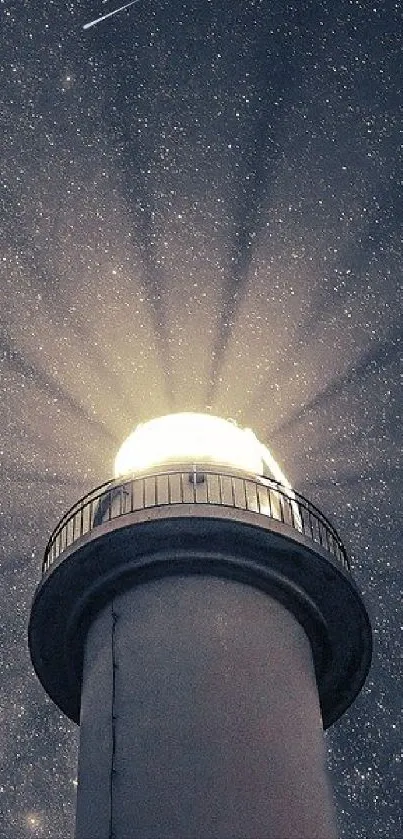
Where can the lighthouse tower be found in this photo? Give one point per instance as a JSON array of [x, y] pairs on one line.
[[197, 617]]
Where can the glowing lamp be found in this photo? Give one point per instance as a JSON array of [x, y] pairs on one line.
[[189, 437], [195, 438]]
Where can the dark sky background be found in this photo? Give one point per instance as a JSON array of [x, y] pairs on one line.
[[201, 210]]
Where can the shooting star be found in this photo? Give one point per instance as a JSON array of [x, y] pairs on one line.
[[98, 20]]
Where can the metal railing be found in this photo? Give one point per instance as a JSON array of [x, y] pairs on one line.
[[200, 487]]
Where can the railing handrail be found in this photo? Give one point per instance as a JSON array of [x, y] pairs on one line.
[[105, 488]]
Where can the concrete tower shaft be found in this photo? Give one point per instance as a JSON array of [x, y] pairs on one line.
[[200, 718]]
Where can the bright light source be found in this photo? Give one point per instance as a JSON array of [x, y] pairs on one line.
[[189, 437], [195, 438]]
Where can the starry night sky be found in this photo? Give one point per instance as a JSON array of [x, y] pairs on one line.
[[201, 209]]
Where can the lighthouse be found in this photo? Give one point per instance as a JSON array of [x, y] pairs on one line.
[[197, 617]]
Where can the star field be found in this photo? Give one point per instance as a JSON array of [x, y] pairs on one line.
[[201, 210]]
